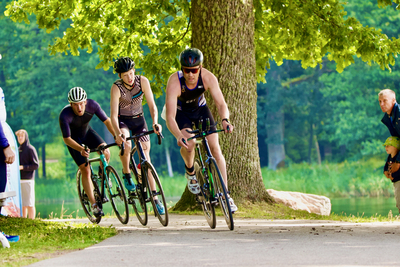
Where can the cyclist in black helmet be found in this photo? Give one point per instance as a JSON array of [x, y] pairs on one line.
[[74, 123], [127, 115], [185, 104]]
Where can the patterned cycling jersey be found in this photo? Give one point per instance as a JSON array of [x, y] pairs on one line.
[[130, 101], [75, 126], [191, 99]]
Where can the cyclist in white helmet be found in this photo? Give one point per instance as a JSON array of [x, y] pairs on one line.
[[74, 123]]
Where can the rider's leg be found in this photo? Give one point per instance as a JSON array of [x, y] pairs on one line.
[[188, 153], [146, 150], [86, 182], [219, 157], [106, 154], [125, 157]]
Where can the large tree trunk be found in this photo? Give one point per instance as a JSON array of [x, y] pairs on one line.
[[224, 32]]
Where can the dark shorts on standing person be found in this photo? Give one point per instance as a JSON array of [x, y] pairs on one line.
[[186, 119], [92, 140], [136, 124]]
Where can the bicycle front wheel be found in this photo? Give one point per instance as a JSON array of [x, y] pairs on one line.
[[138, 198], [157, 193], [205, 196], [117, 196], [84, 199], [221, 193]]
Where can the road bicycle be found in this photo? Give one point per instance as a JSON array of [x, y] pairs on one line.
[[141, 168], [213, 191], [106, 180]]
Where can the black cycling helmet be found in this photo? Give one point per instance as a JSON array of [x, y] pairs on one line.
[[191, 57], [123, 64]]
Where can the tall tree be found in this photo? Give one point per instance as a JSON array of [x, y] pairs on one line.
[[233, 34]]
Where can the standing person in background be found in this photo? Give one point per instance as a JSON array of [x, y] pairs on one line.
[[28, 160], [388, 104], [391, 169]]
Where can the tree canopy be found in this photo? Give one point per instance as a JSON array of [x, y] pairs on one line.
[[284, 29]]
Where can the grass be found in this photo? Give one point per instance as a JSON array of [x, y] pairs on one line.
[[363, 178], [43, 239]]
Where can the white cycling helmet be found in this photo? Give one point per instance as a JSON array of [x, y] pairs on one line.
[[76, 95]]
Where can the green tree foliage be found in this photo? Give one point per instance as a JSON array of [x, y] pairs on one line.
[[284, 29], [343, 107]]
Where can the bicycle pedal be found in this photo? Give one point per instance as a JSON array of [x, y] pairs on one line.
[[105, 200], [131, 201]]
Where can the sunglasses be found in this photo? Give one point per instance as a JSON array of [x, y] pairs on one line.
[[194, 71]]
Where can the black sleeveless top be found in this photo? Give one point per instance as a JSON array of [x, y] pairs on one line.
[[191, 99]]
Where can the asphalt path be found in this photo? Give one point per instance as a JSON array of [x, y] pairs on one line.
[[189, 241]]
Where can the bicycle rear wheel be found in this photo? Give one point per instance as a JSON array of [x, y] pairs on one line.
[[159, 192], [205, 196], [117, 196], [138, 198], [84, 199], [221, 193]]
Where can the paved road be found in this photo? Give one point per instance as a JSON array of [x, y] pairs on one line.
[[188, 241]]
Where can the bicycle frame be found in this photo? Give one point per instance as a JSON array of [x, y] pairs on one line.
[[207, 174]]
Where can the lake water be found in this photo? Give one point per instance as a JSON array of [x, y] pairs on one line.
[[356, 206]]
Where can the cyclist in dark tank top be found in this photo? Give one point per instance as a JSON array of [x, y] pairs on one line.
[[185, 104]]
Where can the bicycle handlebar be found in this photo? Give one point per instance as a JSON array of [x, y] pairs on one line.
[[136, 136]]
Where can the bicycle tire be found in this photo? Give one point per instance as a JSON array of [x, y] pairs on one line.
[[84, 199], [221, 193], [148, 167], [138, 199], [205, 196], [117, 196]]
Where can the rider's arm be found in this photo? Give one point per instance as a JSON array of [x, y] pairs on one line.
[[114, 104], [73, 144], [219, 100], [172, 93], [109, 126], [150, 101]]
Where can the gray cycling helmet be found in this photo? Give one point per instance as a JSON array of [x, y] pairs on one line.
[[76, 95], [123, 64], [191, 57]]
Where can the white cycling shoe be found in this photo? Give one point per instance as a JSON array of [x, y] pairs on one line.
[[232, 204], [194, 188]]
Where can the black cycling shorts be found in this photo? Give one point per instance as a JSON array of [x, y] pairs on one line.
[[186, 119], [137, 125], [91, 139]]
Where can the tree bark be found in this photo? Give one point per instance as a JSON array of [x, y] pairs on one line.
[[224, 32]]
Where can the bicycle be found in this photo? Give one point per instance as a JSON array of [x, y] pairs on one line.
[[140, 197], [212, 187], [108, 180]]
